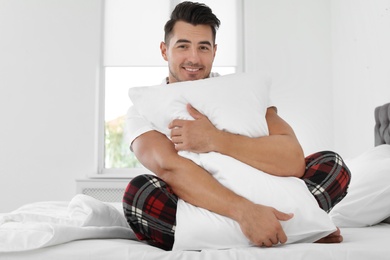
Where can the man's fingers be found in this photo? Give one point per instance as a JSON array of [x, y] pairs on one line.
[[176, 123], [177, 140], [283, 216], [179, 147], [180, 122], [193, 112], [275, 240], [175, 132], [282, 237]]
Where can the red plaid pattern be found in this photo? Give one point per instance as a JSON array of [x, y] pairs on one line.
[[150, 209], [327, 177], [150, 205]]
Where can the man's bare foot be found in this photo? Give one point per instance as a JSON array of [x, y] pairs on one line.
[[335, 237]]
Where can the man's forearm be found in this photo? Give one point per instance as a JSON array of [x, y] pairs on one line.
[[276, 154], [197, 187], [279, 153], [189, 181], [260, 224]]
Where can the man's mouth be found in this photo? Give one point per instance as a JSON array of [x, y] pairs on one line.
[[189, 69]]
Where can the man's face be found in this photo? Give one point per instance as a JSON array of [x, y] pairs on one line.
[[190, 52]]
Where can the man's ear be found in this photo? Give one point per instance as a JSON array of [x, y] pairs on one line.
[[163, 48]]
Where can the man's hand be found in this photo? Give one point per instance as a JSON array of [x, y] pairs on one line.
[[193, 135], [260, 224]]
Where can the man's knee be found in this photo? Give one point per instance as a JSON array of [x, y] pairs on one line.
[[327, 177], [133, 187], [150, 209], [140, 180], [321, 158], [144, 183], [326, 162]]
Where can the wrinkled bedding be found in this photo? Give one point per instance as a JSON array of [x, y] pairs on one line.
[[44, 224]]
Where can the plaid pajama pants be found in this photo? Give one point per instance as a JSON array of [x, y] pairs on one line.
[[150, 205]]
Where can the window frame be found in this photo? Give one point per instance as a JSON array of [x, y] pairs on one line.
[[126, 173]]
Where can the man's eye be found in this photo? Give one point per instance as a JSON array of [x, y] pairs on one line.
[[204, 48], [182, 46]]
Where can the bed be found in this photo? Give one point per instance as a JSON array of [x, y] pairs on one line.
[[363, 218]]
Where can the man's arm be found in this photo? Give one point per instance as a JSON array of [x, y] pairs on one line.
[[279, 153], [196, 186]]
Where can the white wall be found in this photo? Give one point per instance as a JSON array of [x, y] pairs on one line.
[[361, 70], [330, 62], [49, 54], [292, 40]]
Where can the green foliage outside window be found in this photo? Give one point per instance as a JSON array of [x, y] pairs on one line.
[[118, 154]]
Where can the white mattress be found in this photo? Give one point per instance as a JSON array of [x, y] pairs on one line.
[[359, 243]]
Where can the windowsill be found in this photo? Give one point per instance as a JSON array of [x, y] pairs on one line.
[[119, 173]]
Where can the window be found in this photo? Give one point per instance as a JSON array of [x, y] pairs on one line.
[[133, 31]]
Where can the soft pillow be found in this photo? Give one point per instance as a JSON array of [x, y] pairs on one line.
[[235, 103], [200, 229], [367, 202]]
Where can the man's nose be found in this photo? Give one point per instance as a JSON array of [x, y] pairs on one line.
[[194, 56]]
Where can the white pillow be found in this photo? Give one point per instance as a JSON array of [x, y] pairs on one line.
[[235, 103], [197, 228], [368, 200]]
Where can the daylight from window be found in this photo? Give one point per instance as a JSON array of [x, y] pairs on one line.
[[118, 80], [132, 58]]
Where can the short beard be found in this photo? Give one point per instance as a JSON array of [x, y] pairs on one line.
[[174, 75]]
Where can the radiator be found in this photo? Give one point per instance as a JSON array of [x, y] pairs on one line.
[[106, 190]]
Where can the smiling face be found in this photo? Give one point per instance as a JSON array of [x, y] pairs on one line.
[[190, 52]]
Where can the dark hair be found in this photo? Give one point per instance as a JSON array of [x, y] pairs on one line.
[[193, 13]]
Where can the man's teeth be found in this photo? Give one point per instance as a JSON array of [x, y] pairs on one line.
[[191, 70]]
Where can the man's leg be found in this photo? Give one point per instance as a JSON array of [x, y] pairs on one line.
[[327, 177], [150, 205], [150, 209]]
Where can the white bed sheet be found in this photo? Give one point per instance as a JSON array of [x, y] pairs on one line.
[[48, 223], [359, 244]]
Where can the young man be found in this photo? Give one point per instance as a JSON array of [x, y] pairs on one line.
[[150, 202]]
